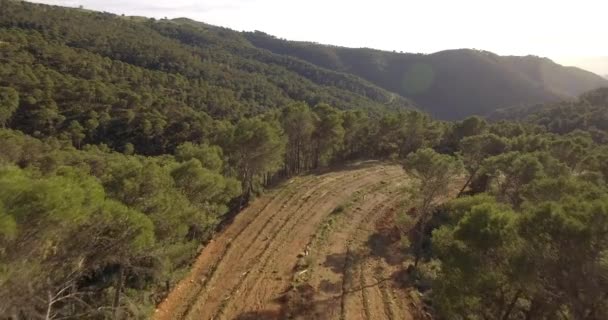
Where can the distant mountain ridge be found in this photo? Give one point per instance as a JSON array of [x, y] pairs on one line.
[[449, 84]]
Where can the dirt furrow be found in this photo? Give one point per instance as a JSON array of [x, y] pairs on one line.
[[353, 297], [331, 279], [372, 302], [386, 263], [371, 283]]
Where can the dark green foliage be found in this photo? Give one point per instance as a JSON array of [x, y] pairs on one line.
[[298, 123], [476, 252], [257, 149], [510, 172], [475, 149], [398, 134], [72, 222], [209, 156], [328, 136], [532, 244], [589, 113], [433, 172], [9, 102], [498, 263], [49, 214]]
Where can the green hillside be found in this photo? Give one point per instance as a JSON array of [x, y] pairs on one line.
[[139, 75], [449, 84], [588, 112]]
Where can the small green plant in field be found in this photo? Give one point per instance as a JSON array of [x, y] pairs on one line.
[[326, 228], [405, 243], [304, 268]]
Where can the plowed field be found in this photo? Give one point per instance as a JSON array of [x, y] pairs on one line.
[[317, 247]]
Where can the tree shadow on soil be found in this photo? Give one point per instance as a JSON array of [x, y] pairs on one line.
[[335, 262], [387, 247], [303, 302], [298, 303], [349, 167]]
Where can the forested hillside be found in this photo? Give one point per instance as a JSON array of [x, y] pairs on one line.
[[589, 112], [449, 84], [127, 143], [528, 236], [126, 72]]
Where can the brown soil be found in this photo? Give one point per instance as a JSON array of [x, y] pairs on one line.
[[291, 254]]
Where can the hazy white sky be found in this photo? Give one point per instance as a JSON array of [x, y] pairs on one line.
[[570, 32]]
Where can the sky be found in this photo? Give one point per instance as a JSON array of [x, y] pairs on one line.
[[569, 32]]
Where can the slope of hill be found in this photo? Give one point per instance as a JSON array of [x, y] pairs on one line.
[[569, 81], [82, 65], [588, 112], [449, 84]]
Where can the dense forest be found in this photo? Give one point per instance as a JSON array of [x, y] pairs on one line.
[[125, 143], [587, 112], [527, 237]]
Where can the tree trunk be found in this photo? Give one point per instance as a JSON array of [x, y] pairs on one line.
[[418, 244], [511, 305], [418, 252], [49, 307], [297, 166], [119, 283], [593, 309], [466, 184], [424, 217], [249, 187], [532, 311]]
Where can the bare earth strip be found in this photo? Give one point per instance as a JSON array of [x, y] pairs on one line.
[[337, 255], [353, 280], [249, 270]]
